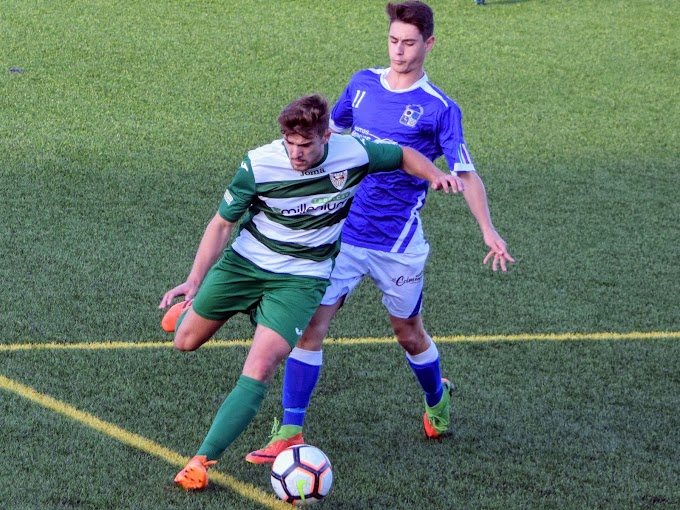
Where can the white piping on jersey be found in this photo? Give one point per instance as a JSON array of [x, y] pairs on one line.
[[407, 226], [465, 163], [427, 87], [423, 83]]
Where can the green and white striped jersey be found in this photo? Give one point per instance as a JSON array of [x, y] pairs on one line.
[[294, 218]]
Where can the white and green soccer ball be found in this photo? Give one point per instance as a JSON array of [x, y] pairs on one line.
[[302, 475]]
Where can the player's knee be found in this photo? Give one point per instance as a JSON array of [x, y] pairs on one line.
[[412, 337], [414, 344], [315, 332], [311, 341], [183, 342], [262, 370]]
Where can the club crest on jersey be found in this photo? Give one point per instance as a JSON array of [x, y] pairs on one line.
[[411, 114], [339, 179]]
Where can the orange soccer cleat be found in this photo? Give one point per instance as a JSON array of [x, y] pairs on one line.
[[194, 476], [268, 454], [281, 438], [171, 317]]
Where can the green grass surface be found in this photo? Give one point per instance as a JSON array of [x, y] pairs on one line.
[[119, 137]]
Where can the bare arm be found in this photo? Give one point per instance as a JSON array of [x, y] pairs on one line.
[[212, 245], [414, 163], [475, 196]]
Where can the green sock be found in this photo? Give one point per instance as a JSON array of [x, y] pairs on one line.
[[237, 411], [181, 318]]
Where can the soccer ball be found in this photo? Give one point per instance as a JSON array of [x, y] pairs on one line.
[[302, 475]]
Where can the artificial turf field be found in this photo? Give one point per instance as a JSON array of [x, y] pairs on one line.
[[120, 126]]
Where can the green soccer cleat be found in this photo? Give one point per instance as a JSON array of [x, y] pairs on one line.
[[436, 419], [281, 438]]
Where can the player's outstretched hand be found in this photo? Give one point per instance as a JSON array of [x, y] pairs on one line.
[[499, 253], [448, 182], [185, 289]]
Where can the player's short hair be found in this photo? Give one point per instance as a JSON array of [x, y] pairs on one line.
[[418, 14], [306, 116]]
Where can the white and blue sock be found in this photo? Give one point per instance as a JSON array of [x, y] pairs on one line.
[[302, 373], [427, 370]]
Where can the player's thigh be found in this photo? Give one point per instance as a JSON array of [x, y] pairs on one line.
[[401, 278], [194, 331], [288, 305], [350, 267], [232, 285]]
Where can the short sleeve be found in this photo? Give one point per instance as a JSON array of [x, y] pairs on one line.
[[342, 115], [452, 141], [382, 157], [239, 194]]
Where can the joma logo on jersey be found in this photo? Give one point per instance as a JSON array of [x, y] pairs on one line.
[[316, 171], [411, 114]]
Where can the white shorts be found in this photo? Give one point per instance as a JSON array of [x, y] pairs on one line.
[[399, 276]]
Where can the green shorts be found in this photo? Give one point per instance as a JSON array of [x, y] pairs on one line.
[[282, 302]]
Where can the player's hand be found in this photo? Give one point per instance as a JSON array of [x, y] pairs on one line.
[[498, 254], [186, 289], [448, 182]]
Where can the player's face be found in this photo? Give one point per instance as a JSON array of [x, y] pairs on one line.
[[407, 48], [303, 152]]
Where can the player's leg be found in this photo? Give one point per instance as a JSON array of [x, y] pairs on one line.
[[421, 354], [229, 287], [193, 330], [303, 365], [269, 348], [400, 277], [235, 285], [423, 358]]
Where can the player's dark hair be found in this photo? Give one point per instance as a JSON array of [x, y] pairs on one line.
[[306, 116], [418, 14]]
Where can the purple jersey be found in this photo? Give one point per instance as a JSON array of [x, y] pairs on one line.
[[385, 212]]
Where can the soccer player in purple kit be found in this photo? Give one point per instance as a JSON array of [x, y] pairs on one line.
[[383, 235]]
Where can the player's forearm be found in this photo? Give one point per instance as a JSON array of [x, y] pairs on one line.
[[414, 163], [475, 196], [212, 245]]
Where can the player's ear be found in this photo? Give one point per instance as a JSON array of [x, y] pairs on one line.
[[326, 136], [429, 43]]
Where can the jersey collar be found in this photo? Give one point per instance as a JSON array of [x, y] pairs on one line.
[[416, 85]]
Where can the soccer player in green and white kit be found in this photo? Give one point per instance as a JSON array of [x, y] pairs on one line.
[[296, 193]]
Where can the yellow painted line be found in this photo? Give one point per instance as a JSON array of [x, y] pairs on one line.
[[635, 335], [649, 335], [140, 443], [96, 346]]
